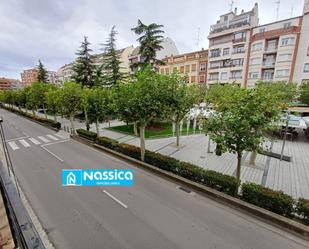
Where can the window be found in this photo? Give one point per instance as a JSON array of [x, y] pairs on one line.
[[239, 36], [282, 73], [187, 68], [286, 25], [257, 46], [202, 79], [215, 52], [167, 70], [202, 67], [226, 51], [175, 69], [224, 76], [214, 76], [239, 49], [253, 75], [308, 51], [192, 79], [255, 61], [284, 57], [214, 64], [262, 30], [287, 41], [226, 18], [162, 70], [237, 62], [193, 67], [236, 74], [182, 69], [306, 68]]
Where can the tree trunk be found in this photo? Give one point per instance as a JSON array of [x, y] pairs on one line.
[[86, 119], [97, 127], [55, 117], [142, 140], [177, 132], [72, 124], [239, 156], [135, 128], [44, 111], [253, 158]]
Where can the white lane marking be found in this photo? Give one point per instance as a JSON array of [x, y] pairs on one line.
[[33, 140], [24, 143], [43, 139], [17, 138], [52, 137], [58, 135], [56, 142], [13, 145], [115, 199], [53, 154]]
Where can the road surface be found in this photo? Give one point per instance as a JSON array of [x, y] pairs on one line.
[[152, 214]]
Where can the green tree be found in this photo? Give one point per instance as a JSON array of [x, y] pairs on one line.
[[42, 73], [181, 97], [53, 101], [36, 95], [150, 42], [71, 101], [304, 94], [99, 105], [142, 101], [84, 68], [239, 127], [111, 61]]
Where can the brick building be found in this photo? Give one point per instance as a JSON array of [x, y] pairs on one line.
[[29, 76]]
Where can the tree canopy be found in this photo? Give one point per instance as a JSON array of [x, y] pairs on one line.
[[42, 73]]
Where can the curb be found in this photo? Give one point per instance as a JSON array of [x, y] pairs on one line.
[[262, 214]]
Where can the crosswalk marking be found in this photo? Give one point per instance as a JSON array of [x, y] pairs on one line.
[[43, 139], [24, 143], [33, 140], [58, 135], [13, 145], [52, 137]]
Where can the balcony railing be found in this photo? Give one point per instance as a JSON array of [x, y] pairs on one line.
[[269, 64], [270, 49], [236, 22], [243, 39], [238, 52]]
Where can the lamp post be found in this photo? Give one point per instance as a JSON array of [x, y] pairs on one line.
[[285, 132]]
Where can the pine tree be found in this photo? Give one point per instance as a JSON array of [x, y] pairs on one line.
[[84, 67], [42, 73], [150, 42], [111, 74]]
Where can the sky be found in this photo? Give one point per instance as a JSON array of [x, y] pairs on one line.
[[51, 30]]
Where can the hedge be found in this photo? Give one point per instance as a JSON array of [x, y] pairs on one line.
[[87, 134], [49, 122], [275, 201], [302, 209]]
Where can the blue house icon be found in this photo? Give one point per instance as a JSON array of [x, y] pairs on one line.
[[71, 179]]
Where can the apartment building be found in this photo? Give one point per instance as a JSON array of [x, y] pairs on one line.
[[169, 48], [64, 73], [193, 65], [301, 71], [273, 50], [229, 40], [29, 76], [123, 55], [9, 84]]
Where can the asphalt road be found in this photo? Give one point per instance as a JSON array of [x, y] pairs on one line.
[[152, 214]]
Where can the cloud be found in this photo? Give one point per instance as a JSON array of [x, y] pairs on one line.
[[51, 30]]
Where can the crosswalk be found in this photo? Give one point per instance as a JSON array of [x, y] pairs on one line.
[[27, 142]]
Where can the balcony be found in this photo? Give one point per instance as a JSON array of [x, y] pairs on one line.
[[239, 40], [238, 52], [271, 49], [238, 21], [268, 64]]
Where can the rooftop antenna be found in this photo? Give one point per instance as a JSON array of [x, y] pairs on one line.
[[198, 39], [277, 9], [231, 5]]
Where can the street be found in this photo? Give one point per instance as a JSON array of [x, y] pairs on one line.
[[153, 214]]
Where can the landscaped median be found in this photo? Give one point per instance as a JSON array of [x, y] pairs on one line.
[[274, 201], [43, 121]]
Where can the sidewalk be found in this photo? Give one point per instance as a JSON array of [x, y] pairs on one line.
[[290, 177]]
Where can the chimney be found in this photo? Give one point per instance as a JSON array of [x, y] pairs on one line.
[[235, 11]]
